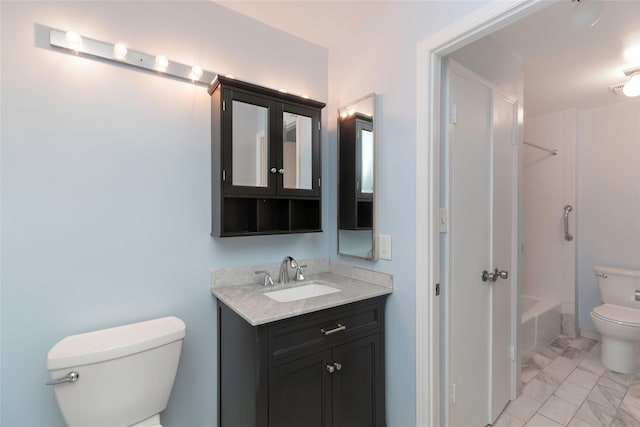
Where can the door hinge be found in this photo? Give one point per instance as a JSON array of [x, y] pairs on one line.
[[454, 114], [512, 353], [453, 394], [437, 289], [224, 175], [318, 182], [224, 105]]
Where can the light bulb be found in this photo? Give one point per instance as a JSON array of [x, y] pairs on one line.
[[196, 72], [161, 63], [74, 39], [120, 51], [632, 87]]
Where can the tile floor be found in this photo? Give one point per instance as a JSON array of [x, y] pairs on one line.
[[566, 385]]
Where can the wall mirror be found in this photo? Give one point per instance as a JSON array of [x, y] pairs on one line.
[[357, 173]]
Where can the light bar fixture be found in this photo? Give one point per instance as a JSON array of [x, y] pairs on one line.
[[121, 54]]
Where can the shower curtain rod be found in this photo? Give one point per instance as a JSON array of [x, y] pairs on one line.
[[553, 152]]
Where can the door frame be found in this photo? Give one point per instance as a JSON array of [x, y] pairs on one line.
[[487, 19]]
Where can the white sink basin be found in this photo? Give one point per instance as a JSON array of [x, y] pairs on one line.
[[311, 289]]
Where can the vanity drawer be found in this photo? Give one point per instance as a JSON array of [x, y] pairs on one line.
[[297, 335]]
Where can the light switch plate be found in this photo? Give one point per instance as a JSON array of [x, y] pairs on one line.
[[384, 241]]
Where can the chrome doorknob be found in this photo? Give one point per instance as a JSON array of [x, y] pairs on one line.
[[331, 369], [495, 275], [273, 170], [281, 171], [488, 277]]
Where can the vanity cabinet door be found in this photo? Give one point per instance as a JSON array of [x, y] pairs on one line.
[[299, 393], [359, 384], [248, 156]]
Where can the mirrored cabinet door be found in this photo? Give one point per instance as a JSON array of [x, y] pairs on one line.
[[250, 145], [299, 171], [248, 150]]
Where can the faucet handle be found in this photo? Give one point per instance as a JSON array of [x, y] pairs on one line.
[[299, 275], [268, 281]]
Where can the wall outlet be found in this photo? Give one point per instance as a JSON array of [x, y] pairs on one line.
[[384, 241]]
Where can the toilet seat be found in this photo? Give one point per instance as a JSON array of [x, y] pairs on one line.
[[617, 314]]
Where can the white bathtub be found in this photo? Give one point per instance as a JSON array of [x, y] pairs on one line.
[[541, 323]]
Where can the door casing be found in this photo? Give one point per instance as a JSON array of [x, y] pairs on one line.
[[489, 18]]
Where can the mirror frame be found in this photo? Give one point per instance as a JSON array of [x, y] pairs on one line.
[[345, 111]]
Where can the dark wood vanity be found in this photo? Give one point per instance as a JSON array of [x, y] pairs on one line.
[[321, 369], [265, 160]]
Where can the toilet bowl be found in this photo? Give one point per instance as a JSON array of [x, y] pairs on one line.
[[618, 319], [117, 377]]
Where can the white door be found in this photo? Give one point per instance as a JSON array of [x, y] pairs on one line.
[[481, 212]]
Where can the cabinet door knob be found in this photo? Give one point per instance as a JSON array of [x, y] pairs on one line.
[[331, 369], [338, 366], [281, 171], [273, 170]]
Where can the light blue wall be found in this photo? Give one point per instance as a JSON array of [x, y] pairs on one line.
[[105, 181], [380, 56], [106, 186]]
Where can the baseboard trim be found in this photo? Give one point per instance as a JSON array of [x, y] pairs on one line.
[[590, 334]]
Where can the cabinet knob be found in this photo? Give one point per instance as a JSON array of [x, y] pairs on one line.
[[281, 171], [273, 170], [338, 366], [331, 369]]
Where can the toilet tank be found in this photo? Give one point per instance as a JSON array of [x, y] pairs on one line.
[[618, 286], [125, 373]]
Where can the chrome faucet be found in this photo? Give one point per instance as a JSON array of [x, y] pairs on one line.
[[283, 276]]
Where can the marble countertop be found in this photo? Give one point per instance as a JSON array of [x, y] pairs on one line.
[[257, 309]]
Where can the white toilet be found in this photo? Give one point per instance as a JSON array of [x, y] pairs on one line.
[[117, 377], [618, 319]]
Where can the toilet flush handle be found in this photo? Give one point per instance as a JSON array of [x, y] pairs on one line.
[[71, 377]]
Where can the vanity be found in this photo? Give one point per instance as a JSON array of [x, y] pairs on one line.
[[292, 359]]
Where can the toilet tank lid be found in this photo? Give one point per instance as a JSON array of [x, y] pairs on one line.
[[107, 344], [624, 272]]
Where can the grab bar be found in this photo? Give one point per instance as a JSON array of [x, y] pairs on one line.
[[567, 236]]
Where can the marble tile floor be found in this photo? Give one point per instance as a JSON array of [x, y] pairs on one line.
[[566, 385]]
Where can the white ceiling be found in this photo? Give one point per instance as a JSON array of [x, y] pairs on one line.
[[322, 22], [565, 67]]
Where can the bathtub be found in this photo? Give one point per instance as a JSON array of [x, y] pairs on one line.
[[541, 323]]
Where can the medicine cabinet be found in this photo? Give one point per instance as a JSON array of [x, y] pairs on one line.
[[265, 166]]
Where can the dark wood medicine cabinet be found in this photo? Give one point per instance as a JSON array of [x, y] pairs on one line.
[[265, 160]]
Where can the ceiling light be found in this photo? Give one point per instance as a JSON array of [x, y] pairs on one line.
[[586, 13], [632, 87]]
